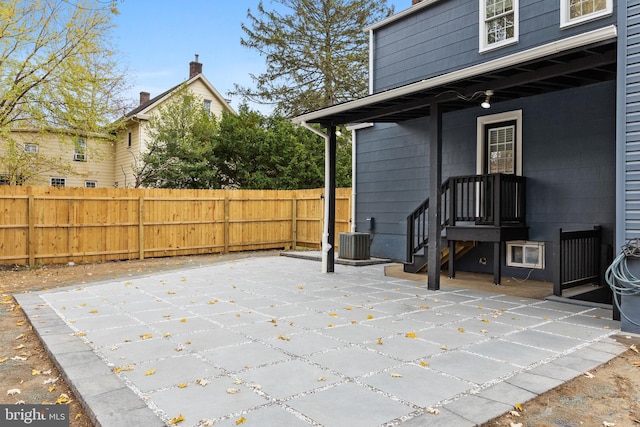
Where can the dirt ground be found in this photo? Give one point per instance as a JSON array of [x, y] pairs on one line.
[[607, 396]]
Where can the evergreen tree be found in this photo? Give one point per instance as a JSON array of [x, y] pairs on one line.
[[315, 50]]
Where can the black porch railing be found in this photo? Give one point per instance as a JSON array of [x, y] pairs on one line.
[[576, 259], [494, 199]]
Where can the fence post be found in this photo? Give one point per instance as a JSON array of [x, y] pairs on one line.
[[226, 225], [294, 223], [141, 227], [31, 231]]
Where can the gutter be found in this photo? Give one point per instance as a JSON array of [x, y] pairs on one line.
[[325, 230]]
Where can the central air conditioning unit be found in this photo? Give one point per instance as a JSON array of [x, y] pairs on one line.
[[354, 246]]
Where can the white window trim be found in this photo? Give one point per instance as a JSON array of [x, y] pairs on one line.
[[525, 244], [482, 121], [95, 184], [566, 22], [33, 148], [484, 46], [64, 181]]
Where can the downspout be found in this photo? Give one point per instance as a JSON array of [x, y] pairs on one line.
[[325, 232], [353, 181]]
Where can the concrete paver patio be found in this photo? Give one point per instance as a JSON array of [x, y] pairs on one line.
[[272, 341]]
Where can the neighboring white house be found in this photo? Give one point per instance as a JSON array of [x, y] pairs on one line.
[[99, 162]]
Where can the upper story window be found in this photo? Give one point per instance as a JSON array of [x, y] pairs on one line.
[[206, 104], [31, 148], [80, 150], [91, 184], [573, 12], [498, 23], [129, 140]]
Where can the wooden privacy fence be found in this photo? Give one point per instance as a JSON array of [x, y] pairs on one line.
[[46, 225]]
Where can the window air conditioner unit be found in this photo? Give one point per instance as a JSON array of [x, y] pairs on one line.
[[525, 254]]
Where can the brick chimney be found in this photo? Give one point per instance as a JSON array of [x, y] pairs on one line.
[[144, 97], [195, 68]]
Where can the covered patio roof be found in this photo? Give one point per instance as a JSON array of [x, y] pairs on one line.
[[575, 61]]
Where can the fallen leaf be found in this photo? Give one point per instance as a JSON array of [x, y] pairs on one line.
[[519, 407], [484, 331], [331, 325], [608, 424], [202, 382], [94, 311], [379, 341], [333, 314], [300, 287], [240, 420], [146, 336], [370, 316], [233, 390], [50, 380], [182, 385], [443, 347], [178, 419], [20, 336], [78, 416], [283, 338], [35, 372], [514, 413], [512, 424], [423, 363], [395, 375], [255, 386], [13, 392], [460, 329], [166, 335], [150, 372], [321, 379], [486, 320], [411, 335], [183, 320], [205, 422], [348, 307], [588, 374], [433, 411], [51, 388], [4, 359], [63, 398], [634, 348], [81, 334], [171, 293], [21, 346]]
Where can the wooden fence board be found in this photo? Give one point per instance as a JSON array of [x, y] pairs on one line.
[[42, 225]]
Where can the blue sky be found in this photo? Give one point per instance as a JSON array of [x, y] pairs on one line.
[[159, 38]]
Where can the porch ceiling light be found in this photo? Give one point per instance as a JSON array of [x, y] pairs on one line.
[[486, 103]]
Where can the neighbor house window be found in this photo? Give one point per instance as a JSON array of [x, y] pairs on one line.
[[4, 180], [31, 148], [90, 184], [573, 12], [129, 140], [58, 182], [80, 150], [498, 23], [206, 104]]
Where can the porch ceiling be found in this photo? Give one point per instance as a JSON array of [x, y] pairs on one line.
[[571, 68]]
